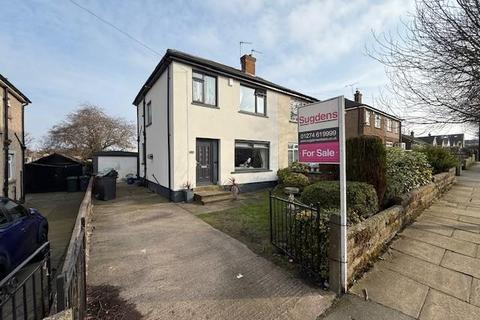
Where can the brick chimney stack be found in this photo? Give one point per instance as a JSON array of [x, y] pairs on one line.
[[248, 64], [357, 96], [412, 134]]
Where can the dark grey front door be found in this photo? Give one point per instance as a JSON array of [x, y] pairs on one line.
[[206, 161]]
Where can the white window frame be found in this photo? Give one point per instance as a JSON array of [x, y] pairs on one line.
[[11, 166], [368, 115], [396, 126], [293, 148], [389, 124], [148, 114], [388, 144], [257, 93], [253, 145], [378, 121], [294, 105], [199, 76]]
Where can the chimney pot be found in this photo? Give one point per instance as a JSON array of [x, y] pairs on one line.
[[412, 133], [248, 64], [357, 96]]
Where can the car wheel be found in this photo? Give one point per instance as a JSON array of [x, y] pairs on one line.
[[43, 236]]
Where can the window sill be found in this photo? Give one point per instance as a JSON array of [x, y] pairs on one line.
[[250, 171], [205, 105], [253, 114], [12, 181]]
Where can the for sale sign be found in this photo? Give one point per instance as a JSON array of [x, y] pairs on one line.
[[319, 131]]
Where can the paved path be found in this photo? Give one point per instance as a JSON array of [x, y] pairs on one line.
[[433, 269], [167, 264]]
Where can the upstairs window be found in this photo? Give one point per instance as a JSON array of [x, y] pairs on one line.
[[395, 126], [148, 115], [204, 89], [389, 125], [367, 117], [251, 155], [378, 121], [253, 100], [294, 105]]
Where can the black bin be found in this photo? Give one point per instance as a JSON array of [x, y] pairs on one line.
[[84, 183], [106, 185], [72, 184]]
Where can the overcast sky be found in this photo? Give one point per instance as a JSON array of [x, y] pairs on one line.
[[60, 56]]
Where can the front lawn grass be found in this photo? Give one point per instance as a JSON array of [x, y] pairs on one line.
[[249, 223]]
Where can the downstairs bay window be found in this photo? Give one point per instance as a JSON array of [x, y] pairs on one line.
[[252, 155]]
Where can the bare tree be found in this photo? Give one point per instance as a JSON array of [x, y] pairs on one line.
[[88, 130], [434, 63]]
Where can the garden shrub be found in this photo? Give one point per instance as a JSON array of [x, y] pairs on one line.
[[282, 174], [362, 200], [299, 167], [406, 170], [366, 162], [294, 179], [441, 159]]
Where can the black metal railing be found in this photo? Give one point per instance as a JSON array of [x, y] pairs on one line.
[[71, 284], [301, 232], [25, 293]]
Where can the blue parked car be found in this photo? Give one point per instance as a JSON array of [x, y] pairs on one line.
[[22, 232]]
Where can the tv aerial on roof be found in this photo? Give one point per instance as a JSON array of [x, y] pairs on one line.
[[241, 45]]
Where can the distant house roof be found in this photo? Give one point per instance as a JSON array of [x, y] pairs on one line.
[[116, 154], [14, 89], [413, 140], [179, 56], [57, 159], [451, 139], [350, 104]]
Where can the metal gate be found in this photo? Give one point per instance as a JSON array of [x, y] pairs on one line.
[[301, 232], [26, 292]]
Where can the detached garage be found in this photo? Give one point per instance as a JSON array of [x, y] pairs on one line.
[[123, 162], [49, 174]]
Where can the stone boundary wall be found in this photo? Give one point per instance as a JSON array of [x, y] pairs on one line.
[[367, 239]]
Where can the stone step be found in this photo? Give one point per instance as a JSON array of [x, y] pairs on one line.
[[212, 187], [212, 196]]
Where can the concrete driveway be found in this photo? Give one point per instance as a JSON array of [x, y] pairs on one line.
[[167, 264], [60, 209]]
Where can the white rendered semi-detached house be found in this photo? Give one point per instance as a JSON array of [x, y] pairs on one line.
[[202, 122]]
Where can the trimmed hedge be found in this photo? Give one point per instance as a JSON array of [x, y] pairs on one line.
[[362, 200], [441, 159], [366, 162]]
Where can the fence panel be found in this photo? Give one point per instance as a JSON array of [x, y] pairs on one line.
[[26, 292], [300, 232]]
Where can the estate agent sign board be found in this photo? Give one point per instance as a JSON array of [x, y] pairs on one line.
[[321, 139]]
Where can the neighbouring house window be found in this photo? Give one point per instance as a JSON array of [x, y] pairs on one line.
[[148, 112], [253, 100], [396, 126], [389, 125], [204, 88], [294, 105], [389, 144], [292, 153], [11, 166], [378, 121], [251, 155], [367, 117]]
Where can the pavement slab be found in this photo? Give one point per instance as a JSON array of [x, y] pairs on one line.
[[433, 227], [467, 236], [439, 306], [475, 296], [393, 290], [450, 223], [462, 263], [419, 249], [434, 276], [441, 241], [353, 307]]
